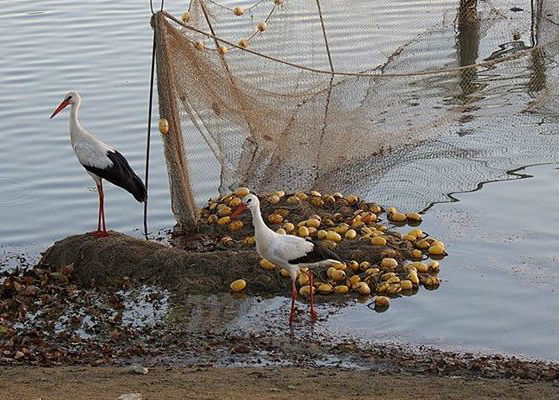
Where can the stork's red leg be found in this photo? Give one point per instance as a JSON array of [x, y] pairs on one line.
[[293, 297], [311, 283], [102, 196], [101, 220], [99, 216]]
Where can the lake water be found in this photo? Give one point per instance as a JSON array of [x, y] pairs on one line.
[[499, 283]]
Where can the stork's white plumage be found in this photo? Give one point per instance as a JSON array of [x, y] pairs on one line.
[[100, 160], [287, 251]]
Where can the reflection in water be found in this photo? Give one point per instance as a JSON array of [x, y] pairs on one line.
[[468, 47]]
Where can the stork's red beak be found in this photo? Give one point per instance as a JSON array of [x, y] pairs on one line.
[[60, 108], [239, 210]]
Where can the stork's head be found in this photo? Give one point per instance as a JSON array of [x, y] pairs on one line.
[[70, 98], [250, 201]]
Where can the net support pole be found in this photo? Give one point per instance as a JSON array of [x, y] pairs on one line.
[[182, 199]]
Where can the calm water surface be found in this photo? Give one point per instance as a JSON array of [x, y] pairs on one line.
[[499, 289]]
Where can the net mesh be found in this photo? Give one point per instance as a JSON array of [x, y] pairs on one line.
[[399, 102]]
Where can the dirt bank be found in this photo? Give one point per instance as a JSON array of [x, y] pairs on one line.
[[87, 383]]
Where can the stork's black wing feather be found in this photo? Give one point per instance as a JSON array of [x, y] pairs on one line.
[[121, 174], [317, 254]]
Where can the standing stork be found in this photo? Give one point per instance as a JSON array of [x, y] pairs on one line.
[[100, 160], [287, 251]]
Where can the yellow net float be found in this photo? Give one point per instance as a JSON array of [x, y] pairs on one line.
[[238, 11], [238, 286], [163, 126]]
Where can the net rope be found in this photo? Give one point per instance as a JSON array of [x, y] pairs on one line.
[[399, 103]]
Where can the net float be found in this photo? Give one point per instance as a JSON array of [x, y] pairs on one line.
[[238, 286], [325, 288], [267, 264], [281, 231], [350, 234], [353, 265], [413, 217], [236, 225], [185, 17], [341, 289], [275, 219], [238, 11], [378, 241], [365, 265], [363, 288], [305, 291], [163, 125], [243, 43], [303, 231], [224, 220], [242, 192], [389, 263], [406, 284], [382, 301], [322, 234]]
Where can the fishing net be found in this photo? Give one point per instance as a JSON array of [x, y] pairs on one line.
[[402, 103]]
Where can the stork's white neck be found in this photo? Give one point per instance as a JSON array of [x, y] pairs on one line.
[[76, 130], [261, 230]]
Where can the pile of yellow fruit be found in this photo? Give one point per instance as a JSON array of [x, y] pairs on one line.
[[332, 220]]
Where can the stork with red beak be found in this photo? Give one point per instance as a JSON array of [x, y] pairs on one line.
[[100, 160], [287, 251]]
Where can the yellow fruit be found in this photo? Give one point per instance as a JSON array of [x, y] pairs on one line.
[[305, 291], [387, 276], [365, 265], [303, 280], [274, 199], [267, 265], [406, 284], [284, 273], [341, 289], [185, 17], [382, 301], [413, 217], [351, 199], [416, 232], [416, 254], [288, 227], [342, 229], [378, 241], [350, 234], [303, 231], [398, 217], [224, 220], [353, 265], [293, 200], [412, 276], [334, 236], [302, 196], [242, 192], [338, 275], [325, 288], [389, 263], [363, 288], [434, 266], [436, 250], [249, 241], [236, 225], [354, 280], [340, 266], [275, 218], [238, 286], [224, 211], [315, 223], [163, 126], [328, 199], [432, 281], [419, 266]]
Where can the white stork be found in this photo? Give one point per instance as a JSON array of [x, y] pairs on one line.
[[287, 251], [100, 160]]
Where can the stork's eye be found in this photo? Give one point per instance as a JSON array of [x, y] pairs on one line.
[[69, 98], [249, 200]]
